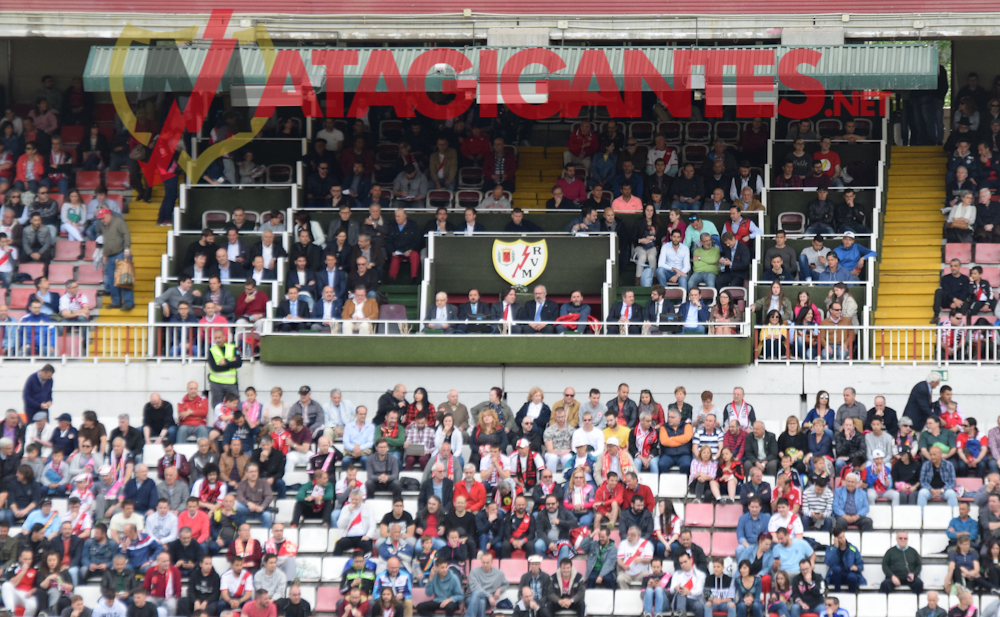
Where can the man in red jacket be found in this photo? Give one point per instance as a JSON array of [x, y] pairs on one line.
[[633, 488], [474, 492], [582, 146], [163, 583]]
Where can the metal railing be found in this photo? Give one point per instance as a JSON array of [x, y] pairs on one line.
[[939, 345], [428, 327], [118, 342]]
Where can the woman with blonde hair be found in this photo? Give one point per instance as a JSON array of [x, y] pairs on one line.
[[579, 498], [703, 471], [536, 409], [275, 407]]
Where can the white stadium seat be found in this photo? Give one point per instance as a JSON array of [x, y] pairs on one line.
[[313, 539], [628, 602], [906, 517], [600, 602], [332, 567], [310, 568], [932, 543], [937, 516], [309, 594], [872, 604], [881, 515], [91, 594], [854, 537], [847, 602], [933, 575], [875, 543], [285, 509], [673, 485], [220, 564]]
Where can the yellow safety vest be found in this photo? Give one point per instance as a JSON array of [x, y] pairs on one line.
[[228, 376]]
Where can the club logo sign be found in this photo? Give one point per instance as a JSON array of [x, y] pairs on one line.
[[520, 262]]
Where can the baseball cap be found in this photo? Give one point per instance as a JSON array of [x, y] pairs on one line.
[[84, 477], [848, 234], [535, 559], [103, 212], [104, 470], [65, 418], [523, 443], [612, 441], [878, 454], [304, 390]]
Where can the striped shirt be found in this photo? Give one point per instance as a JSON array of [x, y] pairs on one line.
[[423, 436], [712, 440], [811, 502]]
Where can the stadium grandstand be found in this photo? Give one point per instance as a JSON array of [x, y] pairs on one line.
[[394, 309]]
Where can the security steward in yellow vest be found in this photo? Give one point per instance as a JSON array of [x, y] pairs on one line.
[[223, 360]]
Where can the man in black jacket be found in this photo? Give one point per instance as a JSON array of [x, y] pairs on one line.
[[637, 516], [820, 213], [203, 589], [292, 311], [185, 553], [519, 529], [272, 465], [391, 399], [685, 546], [626, 311], [658, 305], [205, 244], [918, 406], [568, 591], [306, 247], [437, 480], [536, 312], [552, 526], [274, 249], [506, 309], [734, 265], [953, 294], [403, 243]]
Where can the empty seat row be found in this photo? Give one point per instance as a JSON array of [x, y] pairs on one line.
[[962, 251]]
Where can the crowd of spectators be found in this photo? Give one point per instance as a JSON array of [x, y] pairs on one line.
[[541, 482]]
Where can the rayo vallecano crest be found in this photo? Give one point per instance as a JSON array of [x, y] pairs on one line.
[[520, 263]]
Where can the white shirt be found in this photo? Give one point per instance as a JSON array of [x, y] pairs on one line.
[[328, 310], [593, 438], [338, 415], [671, 258], [332, 138], [669, 159], [233, 250], [534, 410], [198, 275], [792, 522], [8, 264], [358, 310], [72, 303], [509, 317], [267, 252], [627, 310], [696, 578], [366, 527], [470, 228], [691, 319], [644, 549], [31, 433], [230, 582]]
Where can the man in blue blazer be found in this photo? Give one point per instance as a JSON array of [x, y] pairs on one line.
[[331, 276], [328, 307], [734, 264], [695, 313], [539, 310]]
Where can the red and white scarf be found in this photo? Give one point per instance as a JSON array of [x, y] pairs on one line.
[[287, 548], [450, 464], [644, 440], [209, 493], [623, 463], [524, 525], [636, 553], [742, 414]]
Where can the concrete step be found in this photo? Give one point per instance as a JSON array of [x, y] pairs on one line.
[[914, 313], [905, 301], [906, 289], [913, 278], [897, 241]]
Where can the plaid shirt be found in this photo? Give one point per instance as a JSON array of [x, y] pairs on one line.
[[425, 436], [736, 443], [947, 471], [698, 467]]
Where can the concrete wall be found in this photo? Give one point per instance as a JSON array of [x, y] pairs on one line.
[[775, 391]]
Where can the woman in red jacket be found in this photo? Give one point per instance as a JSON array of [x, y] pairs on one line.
[[28, 178]]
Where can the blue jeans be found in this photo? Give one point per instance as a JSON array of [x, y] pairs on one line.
[[806, 273], [32, 186], [184, 431], [835, 577], [541, 548], [840, 464], [708, 278], [399, 457], [476, 605], [993, 466], [487, 541], [266, 517], [925, 495], [586, 520], [779, 608], [662, 274], [166, 214], [820, 228], [351, 461], [653, 467], [695, 604], [835, 352], [683, 461], [653, 600], [797, 609], [729, 607], [278, 487], [802, 351], [118, 296], [680, 205], [63, 184], [756, 609], [694, 330]]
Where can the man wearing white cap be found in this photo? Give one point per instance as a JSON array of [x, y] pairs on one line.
[[615, 459], [879, 479], [101, 488], [582, 458], [40, 432], [524, 466]]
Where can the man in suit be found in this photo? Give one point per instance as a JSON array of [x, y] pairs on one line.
[[224, 301], [234, 247], [199, 270], [537, 311], [439, 224], [626, 312], [331, 276], [169, 299], [403, 243], [577, 307], [918, 406], [343, 220], [259, 273], [471, 225], [300, 276], [292, 310], [306, 247], [225, 269], [358, 184], [441, 316], [467, 311], [268, 249], [694, 312], [375, 255], [506, 310], [734, 265], [658, 305], [327, 308]]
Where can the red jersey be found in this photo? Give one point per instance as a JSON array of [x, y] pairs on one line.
[[794, 497], [951, 420], [28, 582], [280, 441]]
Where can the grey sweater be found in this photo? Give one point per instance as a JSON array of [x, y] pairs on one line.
[[273, 583], [488, 583], [884, 442]]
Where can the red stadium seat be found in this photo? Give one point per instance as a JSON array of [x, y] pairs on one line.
[[642, 131], [792, 222], [971, 486], [88, 249], [33, 269], [68, 250], [698, 132], [390, 130], [71, 135], [513, 569], [468, 197], [959, 251], [59, 274], [699, 515], [724, 544], [694, 154], [91, 295], [701, 538], [88, 275], [88, 180], [117, 181], [991, 275], [19, 297], [326, 599], [728, 132], [988, 253], [728, 516]]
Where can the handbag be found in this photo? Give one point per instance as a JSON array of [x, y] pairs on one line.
[[138, 153], [124, 274]]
